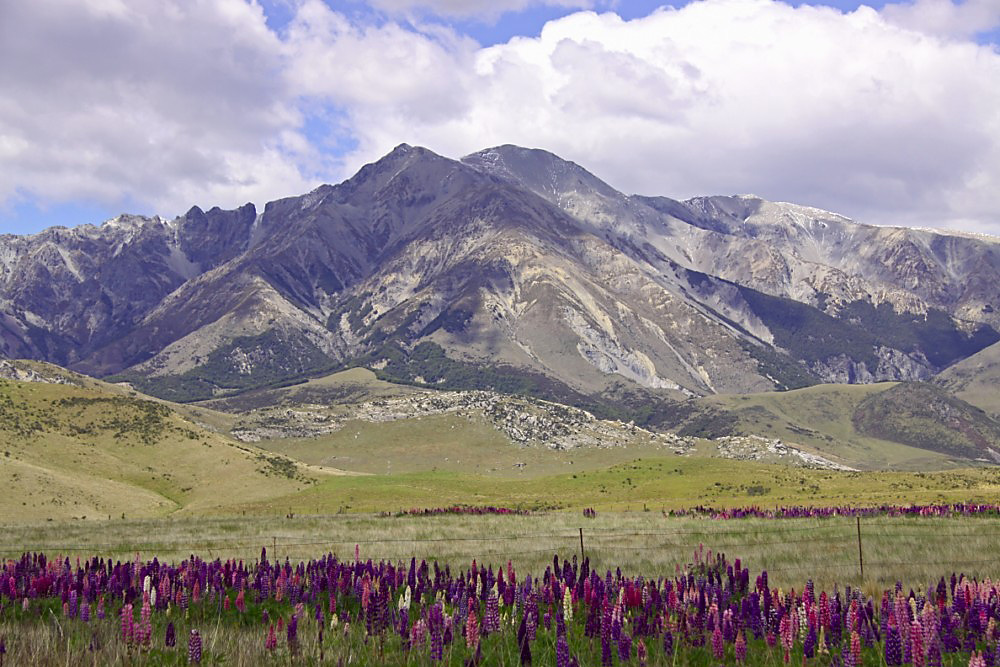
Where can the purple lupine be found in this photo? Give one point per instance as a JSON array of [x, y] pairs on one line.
[[625, 647], [668, 643], [741, 648], [85, 611], [562, 651], [893, 647], [171, 636], [435, 621], [523, 642], [194, 648], [809, 645]]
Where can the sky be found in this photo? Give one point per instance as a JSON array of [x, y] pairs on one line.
[[887, 112]]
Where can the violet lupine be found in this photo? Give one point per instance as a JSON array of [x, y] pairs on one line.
[[562, 651], [194, 647], [435, 622], [491, 618], [170, 639], [625, 647], [893, 647], [85, 611], [523, 643]]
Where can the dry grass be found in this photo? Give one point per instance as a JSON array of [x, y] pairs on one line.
[[915, 551]]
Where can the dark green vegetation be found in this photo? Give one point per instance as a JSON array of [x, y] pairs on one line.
[[926, 416], [430, 362], [269, 359], [912, 425], [812, 336]]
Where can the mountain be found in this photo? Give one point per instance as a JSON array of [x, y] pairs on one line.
[[509, 270]]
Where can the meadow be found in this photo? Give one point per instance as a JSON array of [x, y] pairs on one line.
[[485, 589]]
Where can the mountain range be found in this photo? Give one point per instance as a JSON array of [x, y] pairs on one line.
[[510, 270]]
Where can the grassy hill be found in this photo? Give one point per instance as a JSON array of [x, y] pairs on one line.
[[976, 380], [89, 449], [822, 419]]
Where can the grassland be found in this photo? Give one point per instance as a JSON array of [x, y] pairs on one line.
[[80, 452], [914, 550]]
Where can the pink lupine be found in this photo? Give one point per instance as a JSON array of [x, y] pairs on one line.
[[472, 630], [977, 659]]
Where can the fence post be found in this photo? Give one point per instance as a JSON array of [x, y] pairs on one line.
[[581, 546], [861, 558]]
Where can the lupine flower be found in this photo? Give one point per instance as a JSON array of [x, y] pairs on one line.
[[271, 641], [977, 660], [893, 647], [741, 648], [436, 623], [472, 630], [718, 647], [194, 647], [171, 636], [85, 611], [625, 647], [562, 651], [668, 643], [568, 604], [128, 630]]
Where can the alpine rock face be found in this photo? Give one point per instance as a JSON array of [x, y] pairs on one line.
[[511, 270]]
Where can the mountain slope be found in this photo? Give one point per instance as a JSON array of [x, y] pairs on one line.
[[511, 270]]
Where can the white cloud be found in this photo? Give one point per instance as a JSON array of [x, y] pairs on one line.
[[843, 111], [945, 17], [173, 104], [146, 102]]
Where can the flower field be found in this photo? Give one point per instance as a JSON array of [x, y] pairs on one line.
[[705, 609]]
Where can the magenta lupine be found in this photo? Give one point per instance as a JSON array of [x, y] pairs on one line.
[[718, 645], [418, 633], [194, 647], [917, 644], [127, 624], [144, 632], [271, 640]]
